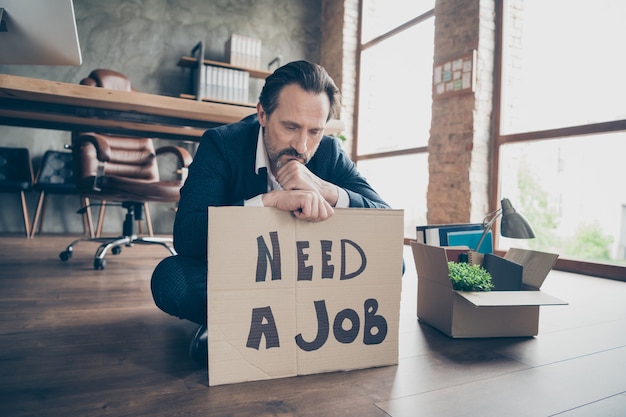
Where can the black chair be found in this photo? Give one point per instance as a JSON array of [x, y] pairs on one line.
[[56, 176], [16, 176], [123, 170]]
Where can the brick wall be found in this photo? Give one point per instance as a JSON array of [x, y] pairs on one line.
[[461, 124], [340, 21], [460, 138]]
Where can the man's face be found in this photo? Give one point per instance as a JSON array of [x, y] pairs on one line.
[[296, 126]]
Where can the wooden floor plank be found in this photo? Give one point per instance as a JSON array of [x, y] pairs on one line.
[[80, 342], [613, 406], [541, 391]]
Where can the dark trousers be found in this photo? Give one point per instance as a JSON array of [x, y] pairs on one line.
[[179, 287]]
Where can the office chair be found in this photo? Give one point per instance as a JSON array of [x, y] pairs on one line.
[[124, 170], [56, 176], [16, 176]]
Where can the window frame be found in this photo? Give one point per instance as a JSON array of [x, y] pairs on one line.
[[604, 270]]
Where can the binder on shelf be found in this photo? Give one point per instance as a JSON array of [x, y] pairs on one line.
[[225, 84], [243, 51]]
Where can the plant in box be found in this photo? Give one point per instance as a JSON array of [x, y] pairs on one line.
[[468, 277]]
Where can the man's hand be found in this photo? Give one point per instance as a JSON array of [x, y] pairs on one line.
[[296, 176], [304, 204]]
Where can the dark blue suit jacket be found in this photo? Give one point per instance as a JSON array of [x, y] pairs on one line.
[[223, 174]]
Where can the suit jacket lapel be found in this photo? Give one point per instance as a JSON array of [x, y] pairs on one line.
[[258, 185]]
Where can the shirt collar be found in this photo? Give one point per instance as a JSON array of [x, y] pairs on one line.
[[262, 160]]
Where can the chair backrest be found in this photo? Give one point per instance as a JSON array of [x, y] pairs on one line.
[[16, 172], [107, 78], [118, 156], [56, 172]]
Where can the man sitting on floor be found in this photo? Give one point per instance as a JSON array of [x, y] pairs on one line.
[[279, 158]]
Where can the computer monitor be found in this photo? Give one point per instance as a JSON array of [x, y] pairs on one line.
[[38, 32]]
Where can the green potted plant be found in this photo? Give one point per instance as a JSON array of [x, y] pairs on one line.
[[468, 277]]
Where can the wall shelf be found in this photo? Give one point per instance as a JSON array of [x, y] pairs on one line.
[[191, 62], [210, 100], [218, 82]]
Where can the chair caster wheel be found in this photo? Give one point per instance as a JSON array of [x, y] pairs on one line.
[[116, 250], [65, 255], [99, 263]]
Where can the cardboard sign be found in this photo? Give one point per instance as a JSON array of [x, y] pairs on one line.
[[288, 297]]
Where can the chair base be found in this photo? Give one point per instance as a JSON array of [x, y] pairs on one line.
[[115, 245]]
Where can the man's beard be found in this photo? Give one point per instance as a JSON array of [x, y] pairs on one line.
[[275, 155], [288, 152]]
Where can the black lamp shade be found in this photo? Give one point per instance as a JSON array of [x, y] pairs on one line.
[[513, 224]]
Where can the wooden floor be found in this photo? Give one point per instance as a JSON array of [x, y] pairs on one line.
[[79, 342]]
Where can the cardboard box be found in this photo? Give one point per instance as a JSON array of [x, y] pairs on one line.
[[288, 297], [481, 314]]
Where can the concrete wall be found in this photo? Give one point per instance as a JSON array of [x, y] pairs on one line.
[[144, 39]]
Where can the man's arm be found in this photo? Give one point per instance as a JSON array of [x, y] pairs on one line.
[[296, 176], [332, 165], [303, 204]]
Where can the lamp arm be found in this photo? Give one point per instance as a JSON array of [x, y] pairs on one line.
[[487, 225]]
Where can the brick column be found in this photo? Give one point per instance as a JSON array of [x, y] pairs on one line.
[[460, 137], [340, 21]]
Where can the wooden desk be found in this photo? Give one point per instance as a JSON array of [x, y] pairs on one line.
[[30, 102]]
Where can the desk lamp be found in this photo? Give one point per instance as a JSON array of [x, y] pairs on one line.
[[513, 224]]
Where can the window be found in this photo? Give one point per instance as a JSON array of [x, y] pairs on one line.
[[570, 191], [395, 79], [380, 17], [394, 103], [563, 64], [402, 182], [562, 136]]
